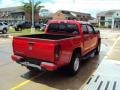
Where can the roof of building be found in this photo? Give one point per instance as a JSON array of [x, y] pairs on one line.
[[107, 13], [73, 13], [12, 9]]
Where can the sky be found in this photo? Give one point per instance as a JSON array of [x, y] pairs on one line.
[[87, 6]]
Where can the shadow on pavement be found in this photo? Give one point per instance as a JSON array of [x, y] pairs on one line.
[[60, 80]]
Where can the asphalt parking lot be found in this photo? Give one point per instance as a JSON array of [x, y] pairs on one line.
[[16, 77]]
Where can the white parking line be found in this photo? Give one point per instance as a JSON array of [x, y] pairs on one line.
[[111, 48], [103, 59]]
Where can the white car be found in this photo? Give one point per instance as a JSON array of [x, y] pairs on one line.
[[3, 27], [42, 27]]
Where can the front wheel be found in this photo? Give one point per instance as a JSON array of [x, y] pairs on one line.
[[4, 31], [19, 29], [74, 64]]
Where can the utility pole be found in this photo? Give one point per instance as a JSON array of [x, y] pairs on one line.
[[32, 27]]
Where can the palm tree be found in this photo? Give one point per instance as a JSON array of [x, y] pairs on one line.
[[27, 7]]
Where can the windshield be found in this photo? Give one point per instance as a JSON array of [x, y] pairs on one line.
[[63, 28], [5, 23]]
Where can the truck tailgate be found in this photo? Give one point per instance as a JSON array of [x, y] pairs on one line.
[[34, 48]]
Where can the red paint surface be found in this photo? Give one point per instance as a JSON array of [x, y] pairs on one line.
[[44, 50]]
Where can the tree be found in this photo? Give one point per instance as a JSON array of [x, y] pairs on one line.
[[27, 7]]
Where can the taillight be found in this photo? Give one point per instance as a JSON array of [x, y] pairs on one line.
[[57, 51], [13, 45]]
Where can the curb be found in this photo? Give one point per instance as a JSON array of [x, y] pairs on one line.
[[6, 36]]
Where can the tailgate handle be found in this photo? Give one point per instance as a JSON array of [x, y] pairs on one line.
[[31, 42]]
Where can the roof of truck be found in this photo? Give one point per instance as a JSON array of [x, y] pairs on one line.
[[68, 21], [84, 22]]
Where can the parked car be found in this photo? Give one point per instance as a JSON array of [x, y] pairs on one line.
[[64, 43], [3, 27], [24, 25], [42, 27]]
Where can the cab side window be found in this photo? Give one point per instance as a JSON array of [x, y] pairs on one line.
[[85, 29], [90, 29]]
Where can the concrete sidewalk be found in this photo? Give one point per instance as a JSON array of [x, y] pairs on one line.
[[107, 75]]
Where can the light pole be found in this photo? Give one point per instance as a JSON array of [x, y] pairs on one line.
[[32, 27]]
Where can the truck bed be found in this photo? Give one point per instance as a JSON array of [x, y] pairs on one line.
[[39, 47], [47, 36]]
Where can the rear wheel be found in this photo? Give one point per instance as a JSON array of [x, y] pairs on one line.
[[74, 65]]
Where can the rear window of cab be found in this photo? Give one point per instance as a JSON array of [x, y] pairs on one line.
[[63, 28]]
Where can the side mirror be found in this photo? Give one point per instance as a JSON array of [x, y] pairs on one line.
[[97, 31]]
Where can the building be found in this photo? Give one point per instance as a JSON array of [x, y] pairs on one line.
[[14, 15], [94, 22], [71, 15], [110, 19]]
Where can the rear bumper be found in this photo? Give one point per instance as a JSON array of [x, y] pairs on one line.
[[42, 65]]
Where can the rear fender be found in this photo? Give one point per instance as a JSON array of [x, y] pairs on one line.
[[76, 50]]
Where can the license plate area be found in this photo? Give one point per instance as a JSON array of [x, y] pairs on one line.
[[31, 63], [25, 63]]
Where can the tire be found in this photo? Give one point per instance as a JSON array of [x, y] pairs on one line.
[[16, 29], [37, 27], [4, 31], [19, 29], [74, 65], [97, 50]]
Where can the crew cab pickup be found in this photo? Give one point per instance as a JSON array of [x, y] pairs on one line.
[[64, 43]]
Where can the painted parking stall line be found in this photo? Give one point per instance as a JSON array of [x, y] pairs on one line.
[[26, 82], [104, 78]]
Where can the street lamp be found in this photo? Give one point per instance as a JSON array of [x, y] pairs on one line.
[[32, 27]]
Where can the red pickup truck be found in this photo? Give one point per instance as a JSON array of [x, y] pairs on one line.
[[64, 43]]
